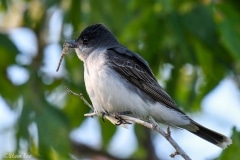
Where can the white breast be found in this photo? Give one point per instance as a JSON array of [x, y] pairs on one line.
[[107, 90]]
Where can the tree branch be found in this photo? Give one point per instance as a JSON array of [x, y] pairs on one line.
[[84, 150], [153, 125], [168, 137]]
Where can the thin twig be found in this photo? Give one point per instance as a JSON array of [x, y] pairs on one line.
[[90, 114], [179, 150], [80, 96], [152, 125]]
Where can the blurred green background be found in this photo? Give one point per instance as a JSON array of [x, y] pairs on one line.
[[197, 42]]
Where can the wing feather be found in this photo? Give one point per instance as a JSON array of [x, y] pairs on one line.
[[133, 68]]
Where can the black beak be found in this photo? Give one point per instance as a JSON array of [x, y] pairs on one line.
[[72, 44]]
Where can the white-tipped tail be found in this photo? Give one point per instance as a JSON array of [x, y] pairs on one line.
[[209, 135], [225, 143]]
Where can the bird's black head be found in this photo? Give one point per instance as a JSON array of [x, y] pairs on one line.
[[96, 35]]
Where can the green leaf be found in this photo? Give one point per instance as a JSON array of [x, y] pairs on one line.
[[211, 76], [53, 132], [23, 123], [75, 110], [199, 22], [141, 135], [8, 51], [4, 5], [228, 27]]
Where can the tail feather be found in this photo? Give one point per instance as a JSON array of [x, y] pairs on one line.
[[209, 135]]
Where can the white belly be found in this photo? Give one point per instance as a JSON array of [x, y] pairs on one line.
[[109, 94]]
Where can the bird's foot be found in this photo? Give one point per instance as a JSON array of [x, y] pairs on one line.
[[120, 119], [104, 114]]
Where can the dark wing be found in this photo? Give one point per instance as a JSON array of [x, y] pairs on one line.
[[133, 68]]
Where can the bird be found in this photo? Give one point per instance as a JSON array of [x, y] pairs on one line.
[[119, 80]]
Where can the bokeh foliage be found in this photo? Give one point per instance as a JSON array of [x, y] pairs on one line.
[[198, 42]]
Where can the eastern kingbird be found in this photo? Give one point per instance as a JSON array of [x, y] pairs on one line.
[[120, 81]]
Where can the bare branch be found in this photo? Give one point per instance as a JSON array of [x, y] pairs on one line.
[[168, 137], [80, 96], [90, 114], [153, 125]]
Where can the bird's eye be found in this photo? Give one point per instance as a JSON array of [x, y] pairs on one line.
[[85, 40]]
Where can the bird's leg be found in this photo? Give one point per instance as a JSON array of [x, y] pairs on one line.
[[103, 115], [120, 119], [168, 131]]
